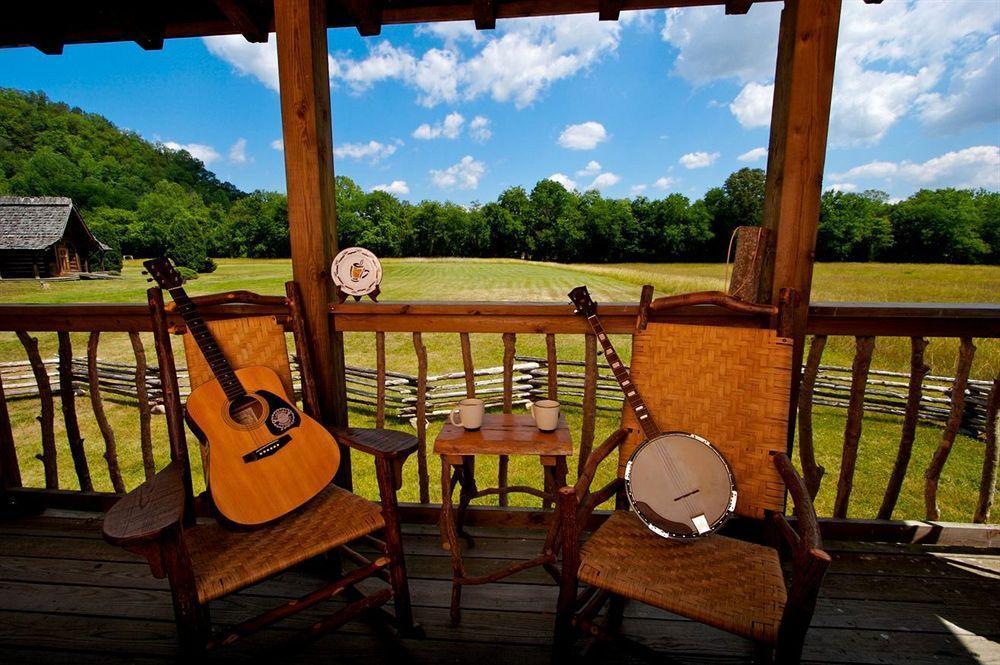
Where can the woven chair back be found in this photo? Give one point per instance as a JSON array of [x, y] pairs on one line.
[[730, 385], [257, 341]]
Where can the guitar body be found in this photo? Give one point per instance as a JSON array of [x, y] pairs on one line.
[[265, 457], [679, 485]]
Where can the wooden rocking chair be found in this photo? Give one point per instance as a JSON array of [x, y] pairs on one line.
[[731, 385], [203, 560]]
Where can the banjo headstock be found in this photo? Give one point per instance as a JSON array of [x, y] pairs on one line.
[[585, 305]]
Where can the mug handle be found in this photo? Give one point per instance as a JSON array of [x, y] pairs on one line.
[[531, 408], [451, 417]]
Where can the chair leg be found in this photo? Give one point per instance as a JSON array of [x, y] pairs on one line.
[[394, 549], [193, 622], [616, 612], [568, 580], [763, 654]]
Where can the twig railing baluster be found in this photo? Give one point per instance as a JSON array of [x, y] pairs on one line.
[[421, 417], [864, 346], [966, 353], [97, 404], [991, 456], [589, 415], [509, 351], [141, 393], [812, 472], [46, 416], [67, 399], [379, 379], [918, 370], [467, 365], [10, 469]]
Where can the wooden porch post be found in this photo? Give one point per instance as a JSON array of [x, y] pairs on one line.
[[800, 118], [304, 78]]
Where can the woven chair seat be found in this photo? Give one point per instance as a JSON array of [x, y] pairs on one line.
[[723, 582], [226, 560]]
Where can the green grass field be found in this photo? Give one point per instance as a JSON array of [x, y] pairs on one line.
[[471, 279]]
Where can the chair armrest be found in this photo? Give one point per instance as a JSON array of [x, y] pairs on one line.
[[807, 525], [582, 486], [380, 443], [149, 511]]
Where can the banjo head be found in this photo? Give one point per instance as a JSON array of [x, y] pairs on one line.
[[679, 485]]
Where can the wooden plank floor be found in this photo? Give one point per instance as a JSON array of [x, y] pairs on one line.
[[66, 596]]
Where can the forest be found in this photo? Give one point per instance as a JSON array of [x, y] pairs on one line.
[[145, 199]]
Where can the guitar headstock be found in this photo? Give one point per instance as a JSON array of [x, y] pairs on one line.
[[585, 305], [163, 272]]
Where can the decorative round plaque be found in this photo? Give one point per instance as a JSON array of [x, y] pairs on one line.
[[356, 271]]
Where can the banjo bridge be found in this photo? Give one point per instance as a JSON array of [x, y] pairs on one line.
[[684, 496]]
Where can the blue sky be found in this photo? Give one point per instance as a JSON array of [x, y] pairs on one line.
[[659, 102]]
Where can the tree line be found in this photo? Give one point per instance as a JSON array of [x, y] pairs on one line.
[[146, 200]]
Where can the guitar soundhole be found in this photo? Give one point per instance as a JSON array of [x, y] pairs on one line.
[[246, 411]]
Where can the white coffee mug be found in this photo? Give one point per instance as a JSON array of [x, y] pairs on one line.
[[546, 414], [470, 413]]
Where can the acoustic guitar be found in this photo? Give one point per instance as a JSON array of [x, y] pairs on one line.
[[677, 483], [265, 457]]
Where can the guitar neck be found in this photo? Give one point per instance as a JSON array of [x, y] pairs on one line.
[[206, 341], [632, 395]]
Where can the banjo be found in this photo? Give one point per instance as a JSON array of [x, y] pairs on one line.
[[677, 483]]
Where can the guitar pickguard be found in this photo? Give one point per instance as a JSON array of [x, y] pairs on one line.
[[281, 416]]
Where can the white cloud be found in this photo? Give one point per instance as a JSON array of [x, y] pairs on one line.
[[754, 155], [205, 153], [666, 182], [257, 60], [891, 60], [714, 46], [752, 107], [373, 151], [448, 128], [698, 160], [605, 180], [397, 187], [563, 180], [583, 136], [972, 93], [637, 189], [463, 175], [517, 63], [278, 144], [479, 129], [592, 168], [238, 152], [841, 187], [977, 166]]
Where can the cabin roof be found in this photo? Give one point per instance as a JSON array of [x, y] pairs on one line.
[[38, 222]]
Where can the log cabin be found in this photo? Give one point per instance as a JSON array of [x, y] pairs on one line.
[[45, 236]]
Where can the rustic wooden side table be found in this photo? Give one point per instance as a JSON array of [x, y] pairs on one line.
[[501, 434]]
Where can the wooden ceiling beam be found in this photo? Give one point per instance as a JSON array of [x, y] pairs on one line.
[[145, 26], [737, 7], [609, 10], [252, 20], [367, 16], [484, 13], [85, 24]]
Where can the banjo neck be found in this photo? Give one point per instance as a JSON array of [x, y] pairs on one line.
[[632, 395]]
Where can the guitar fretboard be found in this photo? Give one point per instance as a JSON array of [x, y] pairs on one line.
[[632, 395], [196, 325]]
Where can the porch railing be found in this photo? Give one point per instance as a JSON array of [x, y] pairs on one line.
[[971, 325]]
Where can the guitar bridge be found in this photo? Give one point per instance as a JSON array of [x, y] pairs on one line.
[[267, 449]]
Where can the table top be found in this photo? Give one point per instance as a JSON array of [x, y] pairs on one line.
[[505, 434]]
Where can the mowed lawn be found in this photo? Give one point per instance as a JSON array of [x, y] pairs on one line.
[[511, 280]]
